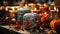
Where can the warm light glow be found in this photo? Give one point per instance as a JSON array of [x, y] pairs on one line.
[[54, 8], [45, 5], [6, 8], [26, 5], [12, 8], [6, 18], [45, 13], [57, 10], [35, 9], [13, 19]]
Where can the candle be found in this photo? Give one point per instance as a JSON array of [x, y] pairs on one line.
[[45, 13], [45, 5], [13, 19], [57, 10], [35, 9], [54, 8], [6, 17]]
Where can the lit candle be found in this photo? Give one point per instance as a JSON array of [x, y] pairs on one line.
[[54, 8], [26, 5], [13, 19], [6, 9], [35, 9], [45, 5], [6, 17], [12, 9], [45, 13], [57, 10]]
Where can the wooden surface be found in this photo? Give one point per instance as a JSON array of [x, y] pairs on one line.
[[20, 31]]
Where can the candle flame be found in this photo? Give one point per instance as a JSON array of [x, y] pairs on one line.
[[45, 13], [54, 8], [57, 10], [35, 9]]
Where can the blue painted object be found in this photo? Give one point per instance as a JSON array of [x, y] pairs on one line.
[[20, 14], [30, 19]]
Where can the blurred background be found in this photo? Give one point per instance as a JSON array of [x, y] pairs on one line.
[[31, 16]]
